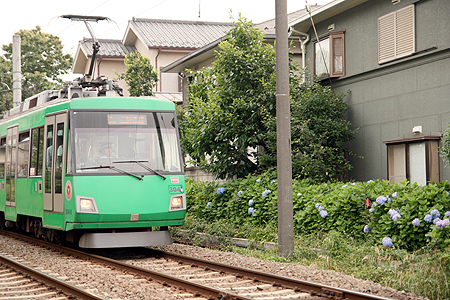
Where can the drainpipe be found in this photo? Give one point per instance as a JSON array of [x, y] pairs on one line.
[[156, 67], [303, 46]]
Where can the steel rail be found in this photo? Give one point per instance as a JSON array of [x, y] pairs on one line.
[[67, 288], [314, 289], [195, 288]]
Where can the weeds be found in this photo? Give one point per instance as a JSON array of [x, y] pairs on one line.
[[425, 272]]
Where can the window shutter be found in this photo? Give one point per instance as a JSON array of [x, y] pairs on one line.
[[338, 57], [386, 38], [405, 31], [396, 34]]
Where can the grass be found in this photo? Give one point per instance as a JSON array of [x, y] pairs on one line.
[[425, 272]]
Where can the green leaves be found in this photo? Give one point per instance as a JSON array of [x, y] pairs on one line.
[[42, 60], [140, 76], [344, 203]]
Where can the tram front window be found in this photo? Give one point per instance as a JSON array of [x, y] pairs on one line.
[[140, 141]]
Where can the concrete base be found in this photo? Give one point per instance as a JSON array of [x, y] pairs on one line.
[[125, 239]]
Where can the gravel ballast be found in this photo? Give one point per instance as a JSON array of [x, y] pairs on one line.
[[113, 284], [312, 274]]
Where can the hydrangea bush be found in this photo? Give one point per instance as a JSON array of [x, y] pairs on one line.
[[407, 216]]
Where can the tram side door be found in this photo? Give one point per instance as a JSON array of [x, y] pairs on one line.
[[11, 166], [54, 152]]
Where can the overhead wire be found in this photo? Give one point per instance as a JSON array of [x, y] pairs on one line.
[[137, 15]]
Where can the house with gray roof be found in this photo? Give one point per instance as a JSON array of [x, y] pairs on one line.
[[162, 41], [204, 56], [394, 58]]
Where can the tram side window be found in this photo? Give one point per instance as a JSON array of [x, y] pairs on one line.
[[2, 157], [37, 146], [24, 154]]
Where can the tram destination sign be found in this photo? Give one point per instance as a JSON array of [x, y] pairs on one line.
[[127, 119]]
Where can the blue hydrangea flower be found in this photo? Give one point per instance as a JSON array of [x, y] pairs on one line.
[[436, 220], [416, 222], [323, 213], [445, 222], [317, 205], [367, 229], [250, 202], [428, 218], [387, 242], [435, 213], [208, 204], [388, 199], [391, 212], [258, 180], [439, 224], [394, 214], [273, 181], [320, 208], [251, 211], [220, 190], [394, 194], [372, 210], [447, 214], [381, 200], [240, 192], [447, 193], [266, 192]]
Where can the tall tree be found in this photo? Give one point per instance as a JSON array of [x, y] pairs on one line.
[[231, 113], [42, 61], [140, 76], [224, 119]]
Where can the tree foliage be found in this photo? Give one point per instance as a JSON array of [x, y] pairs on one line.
[[223, 118], [140, 76], [42, 61], [318, 133], [232, 112]]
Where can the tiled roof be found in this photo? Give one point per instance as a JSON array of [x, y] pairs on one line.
[[178, 34], [110, 48]]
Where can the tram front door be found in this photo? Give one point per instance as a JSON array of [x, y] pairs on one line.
[[55, 126]]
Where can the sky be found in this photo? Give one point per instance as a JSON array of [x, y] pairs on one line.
[[26, 14]]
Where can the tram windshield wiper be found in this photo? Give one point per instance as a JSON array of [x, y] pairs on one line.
[[112, 168], [140, 162]]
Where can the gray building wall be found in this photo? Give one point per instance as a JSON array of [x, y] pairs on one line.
[[387, 101]]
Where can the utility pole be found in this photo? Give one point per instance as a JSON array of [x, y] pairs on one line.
[[17, 71], [284, 160]]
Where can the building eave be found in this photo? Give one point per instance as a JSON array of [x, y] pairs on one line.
[[322, 13]]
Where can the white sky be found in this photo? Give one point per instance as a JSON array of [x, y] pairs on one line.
[[26, 14]]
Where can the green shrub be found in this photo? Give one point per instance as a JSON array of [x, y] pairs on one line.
[[326, 207]]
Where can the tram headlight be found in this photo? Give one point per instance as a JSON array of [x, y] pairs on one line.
[[177, 202], [86, 205]]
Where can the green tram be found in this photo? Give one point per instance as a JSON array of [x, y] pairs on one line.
[[86, 166]]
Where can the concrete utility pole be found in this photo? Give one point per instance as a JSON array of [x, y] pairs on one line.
[[17, 71], [284, 160]]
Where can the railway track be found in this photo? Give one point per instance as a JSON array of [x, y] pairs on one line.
[[207, 279], [19, 281]]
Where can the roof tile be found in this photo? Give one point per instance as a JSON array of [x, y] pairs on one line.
[[178, 34]]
